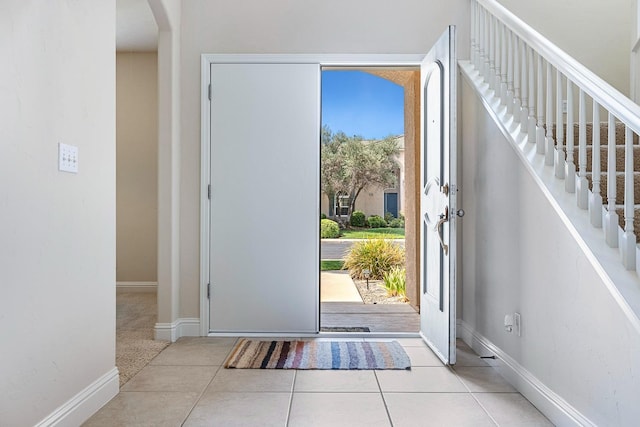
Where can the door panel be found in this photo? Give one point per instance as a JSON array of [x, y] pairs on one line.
[[438, 198], [264, 152]]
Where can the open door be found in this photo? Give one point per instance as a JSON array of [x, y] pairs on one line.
[[438, 199]]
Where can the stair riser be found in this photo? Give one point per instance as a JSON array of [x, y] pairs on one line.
[[619, 188], [604, 132], [636, 219], [604, 158]]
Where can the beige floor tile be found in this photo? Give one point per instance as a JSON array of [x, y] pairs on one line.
[[337, 410], [216, 341], [195, 354], [420, 379], [465, 356], [156, 409], [411, 342], [423, 356], [436, 409], [336, 381], [483, 379], [252, 380], [512, 409], [171, 378], [240, 409]]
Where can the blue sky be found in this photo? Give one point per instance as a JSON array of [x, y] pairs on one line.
[[358, 103]]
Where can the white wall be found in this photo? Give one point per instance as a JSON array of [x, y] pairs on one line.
[[519, 256], [137, 166], [57, 230], [596, 33], [283, 26]]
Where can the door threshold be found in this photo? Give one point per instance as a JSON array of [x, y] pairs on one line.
[[386, 335]]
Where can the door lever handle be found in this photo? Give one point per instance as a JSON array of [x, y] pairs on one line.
[[444, 217]]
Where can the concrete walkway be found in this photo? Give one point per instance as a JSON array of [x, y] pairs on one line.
[[337, 248], [338, 286]]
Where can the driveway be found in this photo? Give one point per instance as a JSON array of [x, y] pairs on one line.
[[337, 248]]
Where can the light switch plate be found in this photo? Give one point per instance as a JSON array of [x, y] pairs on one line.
[[67, 158]]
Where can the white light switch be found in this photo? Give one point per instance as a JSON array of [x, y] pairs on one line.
[[67, 158]]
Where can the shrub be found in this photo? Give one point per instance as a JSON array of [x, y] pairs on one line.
[[376, 255], [329, 229], [376, 221], [394, 281], [397, 223], [358, 219], [388, 217], [323, 216]]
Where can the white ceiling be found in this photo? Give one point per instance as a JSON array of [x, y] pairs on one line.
[[136, 28]]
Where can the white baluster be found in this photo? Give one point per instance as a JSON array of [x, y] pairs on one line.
[[628, 243], [503, 66], [509, 100], [517, 104], [559, 160], [487, 65], [497, 78], [582, 186], [595, 198], [492, 53], [473, 33], [540, 111], [524, 116], [532, 98], [549, 143], [570, 175], [611, 217]]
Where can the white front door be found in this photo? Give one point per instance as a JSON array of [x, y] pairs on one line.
[[438, 199], [264, 153]]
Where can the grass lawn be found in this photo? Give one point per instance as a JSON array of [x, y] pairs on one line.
[[372, 233], [326, 265]]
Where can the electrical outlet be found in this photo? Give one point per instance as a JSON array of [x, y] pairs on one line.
[[67, 158], [516, 324]]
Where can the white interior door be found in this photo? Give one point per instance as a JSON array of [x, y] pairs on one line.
[[438, 199], [264, 154]]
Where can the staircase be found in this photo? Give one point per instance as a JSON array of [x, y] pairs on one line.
[[619, 157]]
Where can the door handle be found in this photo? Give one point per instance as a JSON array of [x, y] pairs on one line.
[[444, 217]]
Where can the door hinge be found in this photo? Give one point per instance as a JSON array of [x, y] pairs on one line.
[[209, 92], [209, 191], [208, 290]]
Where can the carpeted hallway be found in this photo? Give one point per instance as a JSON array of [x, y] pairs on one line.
[[136, 314]]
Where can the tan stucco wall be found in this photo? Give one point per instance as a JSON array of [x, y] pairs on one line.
[[136, 166]]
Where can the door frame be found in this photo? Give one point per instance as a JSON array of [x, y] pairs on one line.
[[323, 60]]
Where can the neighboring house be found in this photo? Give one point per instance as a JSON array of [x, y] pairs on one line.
[[578, 350], [374, 200]]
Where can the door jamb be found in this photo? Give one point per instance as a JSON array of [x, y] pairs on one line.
[[324, 60]]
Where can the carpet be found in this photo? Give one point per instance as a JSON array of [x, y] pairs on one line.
[[251, 354], [135, 344]]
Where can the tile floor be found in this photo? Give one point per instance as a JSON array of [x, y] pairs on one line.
[[186, 386]]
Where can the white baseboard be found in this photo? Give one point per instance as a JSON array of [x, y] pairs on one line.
[[553, 406], [185, 327], [86, 403], [137, 286]]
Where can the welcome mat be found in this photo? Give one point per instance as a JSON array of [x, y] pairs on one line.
[[251, 354]]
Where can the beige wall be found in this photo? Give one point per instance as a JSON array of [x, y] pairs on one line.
[[137, 166], [596, 33], [283, 26], [57, 230]]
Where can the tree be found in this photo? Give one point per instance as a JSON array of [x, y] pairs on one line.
[[349, 164]]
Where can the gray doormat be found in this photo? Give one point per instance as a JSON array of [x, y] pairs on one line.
[[345, 329]]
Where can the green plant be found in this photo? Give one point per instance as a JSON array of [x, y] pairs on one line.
[[376, 255], [358, 219], [329, 229], [397, 223], [376, 221], [388, 217], [394, 281], [374, 233], [323, 216]]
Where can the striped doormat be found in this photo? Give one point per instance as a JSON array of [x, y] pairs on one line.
[[312, 354]]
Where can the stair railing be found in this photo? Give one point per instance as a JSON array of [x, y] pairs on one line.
[[522, 68]]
